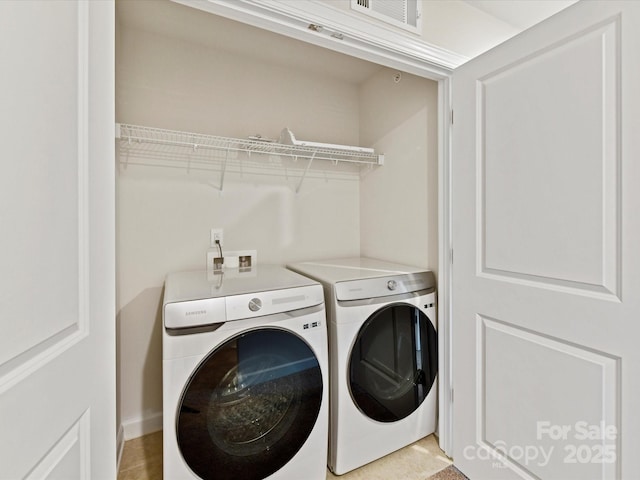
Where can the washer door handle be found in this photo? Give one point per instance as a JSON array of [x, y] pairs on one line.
[[420, 378]]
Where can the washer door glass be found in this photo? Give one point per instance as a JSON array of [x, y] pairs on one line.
[[393, 363], [249, 406]]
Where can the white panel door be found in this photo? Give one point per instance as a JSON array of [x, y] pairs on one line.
[[57, 293], [546, 242]]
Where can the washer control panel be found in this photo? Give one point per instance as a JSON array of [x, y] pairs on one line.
[[257, 304]]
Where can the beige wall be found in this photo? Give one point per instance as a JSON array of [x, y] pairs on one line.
[[399, 202], [164, 216], [169, 83]]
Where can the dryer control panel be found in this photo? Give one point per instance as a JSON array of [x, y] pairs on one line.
[[384, 286]]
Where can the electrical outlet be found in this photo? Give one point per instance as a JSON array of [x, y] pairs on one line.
[[216, 234]]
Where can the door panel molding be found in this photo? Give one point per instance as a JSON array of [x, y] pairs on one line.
[[540, 337], [515, 187], [57, 352], [513, 363], [38, 352], [69, 457]]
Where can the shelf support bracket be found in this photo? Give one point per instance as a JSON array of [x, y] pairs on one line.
[[224, 169], [195, 149], [126, 159], [304, 174]]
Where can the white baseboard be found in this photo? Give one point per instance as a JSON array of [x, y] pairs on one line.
[[137, 427]]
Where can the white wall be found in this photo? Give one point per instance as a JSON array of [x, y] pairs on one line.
[[461, 28], [399, 202], [164, 216]]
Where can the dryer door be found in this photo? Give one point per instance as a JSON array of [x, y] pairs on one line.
[[393, 363], [249, 406]]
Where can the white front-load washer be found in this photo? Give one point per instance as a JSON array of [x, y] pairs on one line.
[[245, 376], [383, 356]]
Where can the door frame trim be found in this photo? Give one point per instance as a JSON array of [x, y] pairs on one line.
[[379, 44]]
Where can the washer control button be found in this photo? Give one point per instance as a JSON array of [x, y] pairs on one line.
[[392, 284], [255, 304]]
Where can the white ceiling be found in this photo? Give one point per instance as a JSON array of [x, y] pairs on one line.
[[520, 14]]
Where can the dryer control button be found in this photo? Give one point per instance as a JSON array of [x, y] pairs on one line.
[[255, 304], [392, 284]]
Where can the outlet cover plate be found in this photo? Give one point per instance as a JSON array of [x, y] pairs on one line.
[[216, 234]]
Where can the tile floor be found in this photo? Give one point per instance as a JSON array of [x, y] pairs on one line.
[[142, 460], [417, 461]]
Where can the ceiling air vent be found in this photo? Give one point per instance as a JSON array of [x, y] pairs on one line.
[[401, 13]]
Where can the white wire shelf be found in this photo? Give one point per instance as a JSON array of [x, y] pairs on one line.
[[155, 146]]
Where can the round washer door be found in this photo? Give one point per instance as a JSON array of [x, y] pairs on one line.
[[393, 363], [249, 406]]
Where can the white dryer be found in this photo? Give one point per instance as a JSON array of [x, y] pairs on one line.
[[383, 356], [245, 376]]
